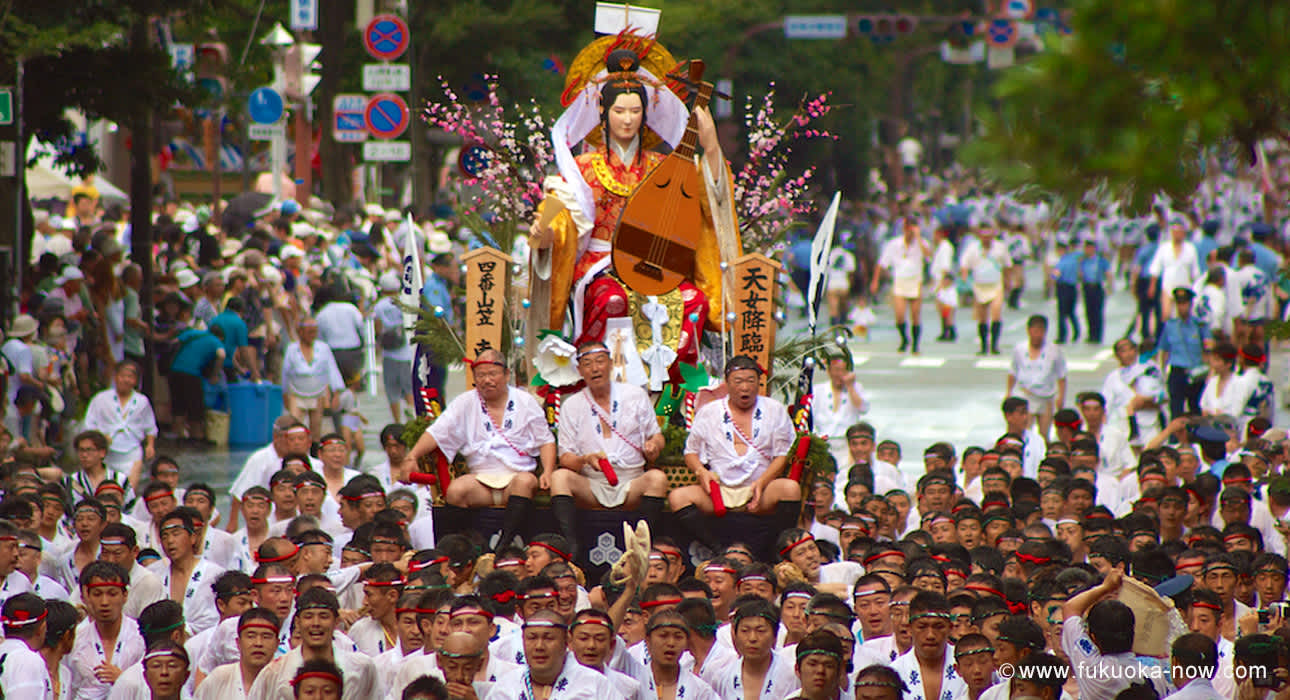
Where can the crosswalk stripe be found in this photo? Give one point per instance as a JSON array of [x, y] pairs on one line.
[[1104, 354], [1082, 366], [993, 363], [922, 362]]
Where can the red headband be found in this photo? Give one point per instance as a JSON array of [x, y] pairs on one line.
[[1252, 358], [982, 588], [808, 537], [273, 579], [306, 482], [471, 611], [717, 568], [591, 620], [315, 674], [503, 596], [281, 557], [475, 363], [104, 584], [263, 624], [659, 603], [385, 584], [1015, 608], [1208, 606], [554, 550], [22, 618], [331, 441], [1067, 424], [888, 553], [158, 495], [108, 486], [414, 566], [1032, 559], [361, 496], [1184, 563], [1237, 536]]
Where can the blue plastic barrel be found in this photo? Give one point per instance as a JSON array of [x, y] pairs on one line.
[[252, 409]]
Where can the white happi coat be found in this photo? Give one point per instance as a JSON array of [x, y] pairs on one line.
[[500, 451], [361, 679], [713, 438], [576, 682], [126, 427], [224, 683], [952, 684], [781, 679], [22, 672], [88, 653], [632, 422], [200, 613], [688, 686]]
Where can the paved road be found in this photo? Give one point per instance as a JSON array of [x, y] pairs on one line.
[[946, 393], [949, 393]]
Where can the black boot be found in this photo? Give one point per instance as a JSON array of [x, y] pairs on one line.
[[1014, 298], [945, 330], [904, 336], [691, 520], [954, 333], [983, 332], [785, 518], [566, 516], [518, 509], [916, 333], [453, 519], [651, 509], [995, 328]]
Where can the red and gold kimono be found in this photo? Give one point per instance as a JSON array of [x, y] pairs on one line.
[[585, 267]]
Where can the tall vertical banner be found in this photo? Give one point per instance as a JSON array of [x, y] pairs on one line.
[[754, 329], [487, 270], [413, 276]]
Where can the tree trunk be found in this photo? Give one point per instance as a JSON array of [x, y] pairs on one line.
[[335, 157], [141, 209]]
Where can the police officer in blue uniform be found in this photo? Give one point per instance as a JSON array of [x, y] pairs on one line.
[[1094, 277], [1148, 303], [1181, 348], [1066, 276]]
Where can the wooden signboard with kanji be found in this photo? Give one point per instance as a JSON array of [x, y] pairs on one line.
[[755, 281], [487, 270]]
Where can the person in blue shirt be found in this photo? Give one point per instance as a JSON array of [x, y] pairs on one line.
[[1143, 284], [1265, 259], [1094, 277], [239, 356], [200, 354], [1181, 349], [437, 293], [1206, 244], [1066, 276]]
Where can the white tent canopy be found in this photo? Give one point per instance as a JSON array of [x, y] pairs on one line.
[[45, 180]]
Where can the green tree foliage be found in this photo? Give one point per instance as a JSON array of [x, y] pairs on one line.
[[76, 54], [1137, 94]]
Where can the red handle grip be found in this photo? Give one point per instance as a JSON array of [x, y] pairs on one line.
[[608, 471], [718, 504], [422, 478], [799, 458], [441, 466]]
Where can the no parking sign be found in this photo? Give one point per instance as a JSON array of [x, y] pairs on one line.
[[1001, 33], [1017, 9]]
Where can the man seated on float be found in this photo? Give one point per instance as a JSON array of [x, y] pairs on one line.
[[741, 444], [607, 423], [503, 434]]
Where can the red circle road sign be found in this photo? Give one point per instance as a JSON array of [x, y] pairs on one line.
[[386, 116], [386, 37]]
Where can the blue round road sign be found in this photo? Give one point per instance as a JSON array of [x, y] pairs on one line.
[[1001, 33], [386, 116], [386, 37], [265, 106]]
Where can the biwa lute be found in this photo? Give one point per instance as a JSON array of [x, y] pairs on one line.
[[658, 230]]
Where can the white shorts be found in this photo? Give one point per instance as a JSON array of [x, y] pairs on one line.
[[1039, 405], [907, 287]]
